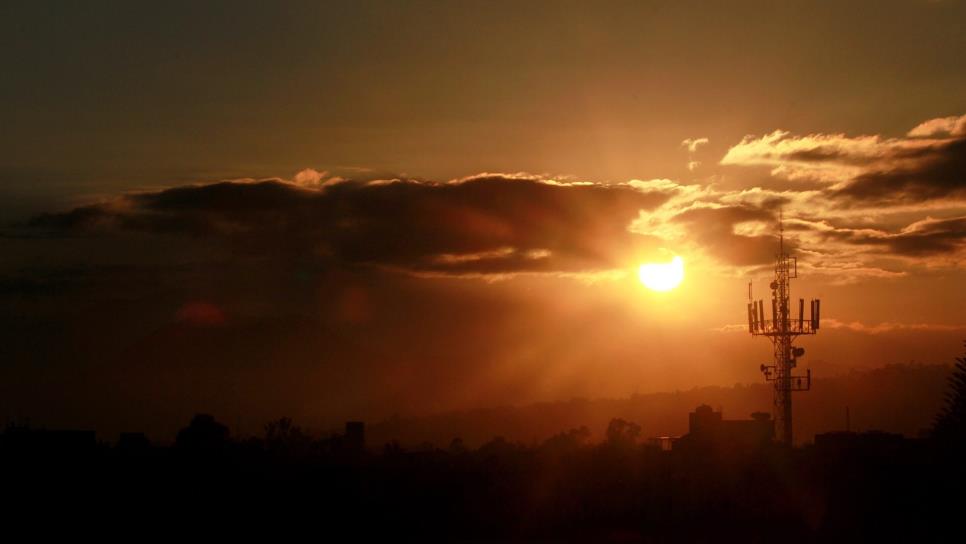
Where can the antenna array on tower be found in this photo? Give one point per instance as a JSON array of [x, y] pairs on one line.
[[782, 328]]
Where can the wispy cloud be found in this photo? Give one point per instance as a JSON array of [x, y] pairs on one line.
[[692, 144]]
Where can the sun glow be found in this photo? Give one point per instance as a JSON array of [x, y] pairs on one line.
[[662, 276]]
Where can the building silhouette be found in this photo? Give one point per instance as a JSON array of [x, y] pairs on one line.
[[708, 430]]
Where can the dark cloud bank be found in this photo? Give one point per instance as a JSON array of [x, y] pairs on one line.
[[926, 174], [482, 225]]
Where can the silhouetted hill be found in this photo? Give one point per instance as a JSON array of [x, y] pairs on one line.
[[901, 398]]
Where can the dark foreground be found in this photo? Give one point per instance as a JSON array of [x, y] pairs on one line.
[[858, 487]]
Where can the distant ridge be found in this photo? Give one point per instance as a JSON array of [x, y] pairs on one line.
[[900, 398]]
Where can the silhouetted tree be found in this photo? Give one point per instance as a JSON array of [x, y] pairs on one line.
[[393, 448], [950, 426], [498, 447], [457, 447], [202, 434], [622, 433], [282, 436], [568, 441]]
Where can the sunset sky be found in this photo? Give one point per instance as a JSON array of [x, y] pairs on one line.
[[360, 209]]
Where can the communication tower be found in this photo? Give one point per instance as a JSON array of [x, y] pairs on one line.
[[782, 329]]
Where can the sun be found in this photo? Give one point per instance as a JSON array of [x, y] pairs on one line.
[[662, 276]]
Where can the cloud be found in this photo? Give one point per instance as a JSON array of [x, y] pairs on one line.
[[738, 227], [937, 172], [733, 227], [865, 206], [693, 144], [922, 238], [927, 165], [309, 177], [487, 224], [314, 179], [943, 126], [887, 327], [718, 230]]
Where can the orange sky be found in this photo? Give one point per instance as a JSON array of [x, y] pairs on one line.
[[358, 209]]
